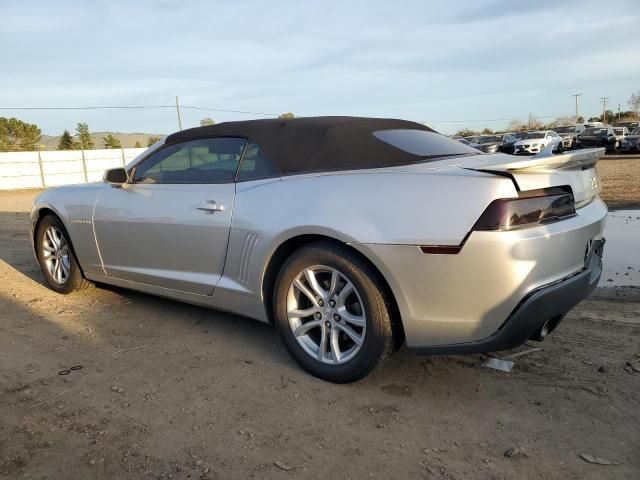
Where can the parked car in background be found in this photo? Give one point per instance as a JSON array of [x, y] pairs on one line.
[[492, 143], [569, 134], [462, 140], [597, 137], [471, 140], [535, 142], [620, 133], [282, 221], [631, 143], [509, 145], [593, 125], [630, 125]]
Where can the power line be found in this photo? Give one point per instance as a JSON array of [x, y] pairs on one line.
[[142, 107], [491, 119]]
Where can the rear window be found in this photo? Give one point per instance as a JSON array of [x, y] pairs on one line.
[[595, 131], [424, 144]]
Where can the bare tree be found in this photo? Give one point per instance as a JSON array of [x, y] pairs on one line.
[[634, 103]]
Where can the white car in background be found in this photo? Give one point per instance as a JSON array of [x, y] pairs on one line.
[[620, 133], [535, 142]]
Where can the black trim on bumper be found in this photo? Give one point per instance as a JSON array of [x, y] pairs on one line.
[[548, 303]]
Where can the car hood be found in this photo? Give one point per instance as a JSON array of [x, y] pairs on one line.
[[529, 141]]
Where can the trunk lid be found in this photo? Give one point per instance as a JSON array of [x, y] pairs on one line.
[[576, 169]]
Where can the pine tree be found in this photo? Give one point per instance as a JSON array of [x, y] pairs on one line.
[[18, 135], [111, 142], [84, 137], [66, 142], [137, 145], [153, 139]]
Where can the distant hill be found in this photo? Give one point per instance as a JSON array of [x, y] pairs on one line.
[[128, 140]]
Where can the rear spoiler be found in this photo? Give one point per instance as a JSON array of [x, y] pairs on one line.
[[546, 160]]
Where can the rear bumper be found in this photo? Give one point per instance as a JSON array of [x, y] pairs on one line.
[[544, 306], [466, 298]]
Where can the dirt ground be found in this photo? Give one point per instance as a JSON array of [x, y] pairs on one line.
[[620, 181], [168, 390]]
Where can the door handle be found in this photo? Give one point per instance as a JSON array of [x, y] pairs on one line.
[[210, 206]]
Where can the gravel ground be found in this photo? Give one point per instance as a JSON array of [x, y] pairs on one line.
[[620, 177], [168, 390]]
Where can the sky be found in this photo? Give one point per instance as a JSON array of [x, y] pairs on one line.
[[450, 64]]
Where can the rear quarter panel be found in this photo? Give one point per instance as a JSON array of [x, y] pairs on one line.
[[390, 208]]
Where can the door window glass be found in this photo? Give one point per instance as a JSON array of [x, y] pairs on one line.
[[207, 160]]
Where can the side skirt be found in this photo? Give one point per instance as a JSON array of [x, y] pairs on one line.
[[222, 299]]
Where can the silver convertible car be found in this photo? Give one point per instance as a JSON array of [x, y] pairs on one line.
[[351, 235]]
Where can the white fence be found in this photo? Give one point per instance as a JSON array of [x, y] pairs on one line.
[[50, 168]]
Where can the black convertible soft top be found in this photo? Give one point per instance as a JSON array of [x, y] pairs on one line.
[[315, 144]]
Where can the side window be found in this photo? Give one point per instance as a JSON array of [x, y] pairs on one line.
[[255, 164], [207, 160]]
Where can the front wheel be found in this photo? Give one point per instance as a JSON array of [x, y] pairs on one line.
[[56, 257], [330, 313]]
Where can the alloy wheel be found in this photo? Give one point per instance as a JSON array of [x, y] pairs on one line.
[[55, 252], [326, 314]]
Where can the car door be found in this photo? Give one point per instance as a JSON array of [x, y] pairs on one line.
[[169, 226]]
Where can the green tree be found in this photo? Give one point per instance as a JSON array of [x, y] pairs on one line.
[[84, 136], [207, 121], [286, 116], [67, 142], [137, 145], [18, 135], [153, 139], [487, 131], [111, 142]]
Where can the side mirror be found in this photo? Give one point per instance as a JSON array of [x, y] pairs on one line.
[[116, 177]]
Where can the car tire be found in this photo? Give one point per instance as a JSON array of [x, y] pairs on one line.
[[57, 258], [353, 296]]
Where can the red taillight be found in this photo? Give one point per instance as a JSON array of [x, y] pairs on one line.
[[531, 208], [441, 249]]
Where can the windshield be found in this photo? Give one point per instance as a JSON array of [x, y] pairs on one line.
[[531, 135], [423, 143], [568, 129], [618, 131], [595, 131], [636, 131], [490, 139]]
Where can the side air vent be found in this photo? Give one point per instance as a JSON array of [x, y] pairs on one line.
[[245, 258]]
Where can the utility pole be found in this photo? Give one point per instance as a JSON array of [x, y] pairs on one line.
[[576, 96], [618, 113], [178, 111], [604, 108]]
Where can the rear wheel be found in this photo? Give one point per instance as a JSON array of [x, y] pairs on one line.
[[56, 257], [330, 313]]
